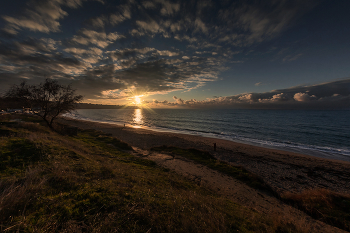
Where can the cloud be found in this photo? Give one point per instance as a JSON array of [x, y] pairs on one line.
[[279, 97], [36, 60], [167, 53], [200, 26], [93, 83], [151, 26], [140, 53], [100, 74], [303, 97], [42, 16], [118, 51], [300, 97], [178, 101], [246, 97], [123, 13], [99, 38], [97, 22], [90, 56], [291, 57], [164, 71], [148, 4], [169, 8], [259, 20]]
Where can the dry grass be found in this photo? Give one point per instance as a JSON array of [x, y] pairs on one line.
[[324, 205], [55, 183], [210, 161], [16, 194]]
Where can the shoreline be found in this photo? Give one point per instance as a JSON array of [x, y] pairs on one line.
[[96, 165], [284, 171], [315, 151]]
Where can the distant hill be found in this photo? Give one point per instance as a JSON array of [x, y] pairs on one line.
[[9, 103], [102, 106]]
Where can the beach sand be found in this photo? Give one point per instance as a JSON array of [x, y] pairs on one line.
[[283, 171]]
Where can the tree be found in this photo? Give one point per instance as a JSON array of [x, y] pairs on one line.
[[49, 98]]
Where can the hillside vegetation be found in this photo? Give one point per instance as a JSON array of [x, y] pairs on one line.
[[92, 183]]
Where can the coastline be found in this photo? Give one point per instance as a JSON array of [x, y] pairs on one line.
[[284, 171], [296, 146]]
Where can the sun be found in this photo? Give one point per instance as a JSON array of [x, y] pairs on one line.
[[138, 100]]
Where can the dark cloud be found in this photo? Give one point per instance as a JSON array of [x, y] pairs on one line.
[[331, 95], [252, 21], [163, 75], [40, 15], [79, 57], [34, 53], [88, 37], [94, 82], [120, 50]]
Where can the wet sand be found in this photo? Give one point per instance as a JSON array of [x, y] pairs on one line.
[[283, 171]]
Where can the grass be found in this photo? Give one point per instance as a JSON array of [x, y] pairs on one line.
[[208, 160], [90, 182], [324, 205], [16, 154]]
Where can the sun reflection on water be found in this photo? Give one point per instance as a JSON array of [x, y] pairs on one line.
[[138, 118]]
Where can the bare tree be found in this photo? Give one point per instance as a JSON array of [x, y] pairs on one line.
[[49, 98]]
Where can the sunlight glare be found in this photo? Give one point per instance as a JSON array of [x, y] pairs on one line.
[[138, 118], [138, 100]]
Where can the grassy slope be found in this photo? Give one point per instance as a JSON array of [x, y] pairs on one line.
[[208, 160], [327, 206], [50, 182]]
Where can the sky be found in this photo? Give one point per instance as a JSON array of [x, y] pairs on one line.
[[182, 54]]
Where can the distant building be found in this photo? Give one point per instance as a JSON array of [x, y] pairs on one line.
[[17, 110]]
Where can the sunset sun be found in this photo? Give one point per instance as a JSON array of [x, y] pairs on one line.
[[138, 100]]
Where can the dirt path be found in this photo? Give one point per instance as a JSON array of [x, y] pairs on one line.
[[237, 191], [281, 170]]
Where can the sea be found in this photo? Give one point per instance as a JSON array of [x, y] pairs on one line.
[[318, 133]]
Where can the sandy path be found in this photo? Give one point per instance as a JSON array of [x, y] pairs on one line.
[[237, 191], [283, 171]]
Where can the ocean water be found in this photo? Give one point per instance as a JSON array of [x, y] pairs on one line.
[[313, 132]]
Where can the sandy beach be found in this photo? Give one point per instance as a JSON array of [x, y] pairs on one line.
[[283, 171]]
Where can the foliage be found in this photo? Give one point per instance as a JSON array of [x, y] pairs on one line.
[[50, 98], [91, 183]]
